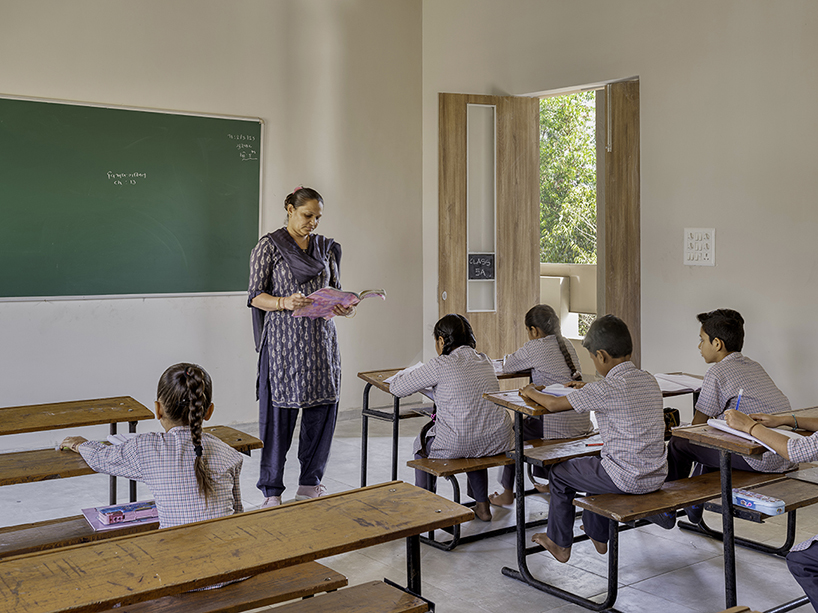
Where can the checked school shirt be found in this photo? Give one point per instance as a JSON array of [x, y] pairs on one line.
[[547, 364], [628, 405], [719, 392], [164, 462], [466, 425]]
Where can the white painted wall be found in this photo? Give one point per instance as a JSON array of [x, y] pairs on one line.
[[728, 134], [338, 85]]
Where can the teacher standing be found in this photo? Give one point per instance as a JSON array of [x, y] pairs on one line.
[[299, 368]]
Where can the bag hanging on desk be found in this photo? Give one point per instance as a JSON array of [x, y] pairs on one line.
[[672, 420]]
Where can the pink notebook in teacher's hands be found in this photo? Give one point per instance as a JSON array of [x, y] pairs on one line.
[[325, 299]]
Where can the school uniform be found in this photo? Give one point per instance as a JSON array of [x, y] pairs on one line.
[[466, 424], [548, 367], [802, 560], [719, 392], [164, 462], [628, 405]]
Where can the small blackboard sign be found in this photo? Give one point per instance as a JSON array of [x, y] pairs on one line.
[[481, 266]]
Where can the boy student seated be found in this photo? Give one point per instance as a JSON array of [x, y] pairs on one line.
[[722, 337], [628, 405], [802, 560]]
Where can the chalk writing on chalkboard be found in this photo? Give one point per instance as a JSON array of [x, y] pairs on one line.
[[247, 151], [126, 178], [481, 266]]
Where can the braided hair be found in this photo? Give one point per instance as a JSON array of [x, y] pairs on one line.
[[185, 392], [545, 319], [455, 330]]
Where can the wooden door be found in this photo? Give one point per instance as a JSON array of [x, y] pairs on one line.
[[499, 330], [618, 208]]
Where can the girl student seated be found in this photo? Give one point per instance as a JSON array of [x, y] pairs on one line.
[[802, 560], [465, 425], [191, 475], [551, 360]]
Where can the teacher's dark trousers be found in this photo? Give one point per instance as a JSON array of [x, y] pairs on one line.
[[276, 428]]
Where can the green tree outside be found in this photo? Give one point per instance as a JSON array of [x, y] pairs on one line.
[[568, 179]]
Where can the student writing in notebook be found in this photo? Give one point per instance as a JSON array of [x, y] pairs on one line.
[[551, 359], [721, 339]]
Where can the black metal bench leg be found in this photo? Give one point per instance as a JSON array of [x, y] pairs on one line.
[[447, 545], [789, 606], [112, 479], [782, 550], [725, 469], [395, 435], [413, 564], [364, 432]]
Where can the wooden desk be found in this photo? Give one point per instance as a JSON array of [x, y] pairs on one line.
[[377, 379], [543, 456], [134, 568], [74, 414], [16, 467], [707, 436]]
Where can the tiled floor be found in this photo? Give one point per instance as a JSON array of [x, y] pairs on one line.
[[660, 571]]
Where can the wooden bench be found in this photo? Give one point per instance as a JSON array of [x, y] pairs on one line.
[[631, 508], [46, 464], [450, 468], [373, 597], [37, 465], [152, 565], [264, 589]]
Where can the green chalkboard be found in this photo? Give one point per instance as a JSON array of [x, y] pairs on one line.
[[101, 201]]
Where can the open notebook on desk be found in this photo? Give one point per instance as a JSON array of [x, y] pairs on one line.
[[678, 383], [720, 424]]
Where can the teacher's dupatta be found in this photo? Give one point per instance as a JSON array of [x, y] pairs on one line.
[[303, 264]]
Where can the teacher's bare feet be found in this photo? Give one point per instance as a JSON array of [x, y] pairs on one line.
[[561, 554]]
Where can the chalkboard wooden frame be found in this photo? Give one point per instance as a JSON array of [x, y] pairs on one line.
[[102, 201]]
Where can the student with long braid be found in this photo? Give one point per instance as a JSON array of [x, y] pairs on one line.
[[192, 475], [551, 360]]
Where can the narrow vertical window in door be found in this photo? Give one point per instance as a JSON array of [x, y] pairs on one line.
[[481, 284]]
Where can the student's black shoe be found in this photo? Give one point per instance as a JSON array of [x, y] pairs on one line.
[[694, 513], [666, 520]]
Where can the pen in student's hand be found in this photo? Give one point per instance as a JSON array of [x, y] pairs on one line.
[[738, 400], [593, 444]]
